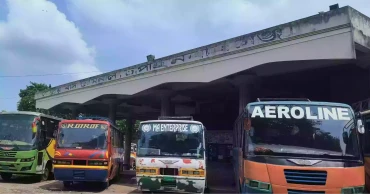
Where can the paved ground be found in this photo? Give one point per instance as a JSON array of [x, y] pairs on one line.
[[219, 174]]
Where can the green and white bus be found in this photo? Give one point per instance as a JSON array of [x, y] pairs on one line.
[[27, 144]]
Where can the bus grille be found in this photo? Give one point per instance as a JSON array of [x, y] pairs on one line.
[[8, 154], [291, 191], [169, 171], [305, 177], [79, 162], [8, 159]]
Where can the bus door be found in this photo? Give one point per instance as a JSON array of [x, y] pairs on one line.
[[365, 144]]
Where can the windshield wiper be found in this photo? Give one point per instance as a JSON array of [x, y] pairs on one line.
[[348, 124]]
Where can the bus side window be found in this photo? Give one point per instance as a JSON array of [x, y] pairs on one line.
[[366, 143], [51, 127], [55, 132], [43, 130], [114, 140]]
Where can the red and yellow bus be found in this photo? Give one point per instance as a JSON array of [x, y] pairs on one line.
[[294, 146], [89, 149]]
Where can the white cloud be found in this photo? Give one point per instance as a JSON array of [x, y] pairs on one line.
[[164, 27], [38, 39]]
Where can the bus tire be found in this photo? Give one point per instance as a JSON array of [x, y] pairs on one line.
[[47, 173], [67, 184], [105, 185], [6, 176], [206, 190], [118, 175]]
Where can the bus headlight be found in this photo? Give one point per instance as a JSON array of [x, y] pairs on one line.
[[147, 171], [62, 162], [353, 190], [97, 163], [258, 185], [28, 159], [189, 172]]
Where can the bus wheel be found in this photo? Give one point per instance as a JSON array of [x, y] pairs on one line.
[[6, 176], [118, 175], [206, 190], [46, 175], [67, 184], [105, 185]]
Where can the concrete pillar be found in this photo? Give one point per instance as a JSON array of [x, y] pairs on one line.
[[74, 113], [112, 105], [368, 81], [113, 112], [128, 139], [166, 103], [244, 96], [244, 84], [172, 109]]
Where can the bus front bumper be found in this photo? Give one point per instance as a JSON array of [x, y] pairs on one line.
[[171, 183], [18, 167], [80, 174], [298, 190]]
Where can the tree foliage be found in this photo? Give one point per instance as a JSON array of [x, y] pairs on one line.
[[27, 101], [122, 125]]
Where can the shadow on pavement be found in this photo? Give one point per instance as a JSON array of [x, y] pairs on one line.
[[79, 187], [22, 180], [126, 182], [220, 177]]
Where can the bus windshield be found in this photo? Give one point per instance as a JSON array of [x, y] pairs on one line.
[[303, 131], [171, 140], [82, 136], [16, 132]]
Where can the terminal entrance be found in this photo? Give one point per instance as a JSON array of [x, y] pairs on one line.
[[217, 104]]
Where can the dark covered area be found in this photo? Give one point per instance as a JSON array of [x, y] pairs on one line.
[[216, 104]]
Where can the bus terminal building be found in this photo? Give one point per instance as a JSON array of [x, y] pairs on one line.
[[324, 57]]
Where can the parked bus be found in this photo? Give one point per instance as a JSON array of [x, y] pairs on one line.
[[365, 122], [27, 144], [171, 155], [88, 149], [298, 146]]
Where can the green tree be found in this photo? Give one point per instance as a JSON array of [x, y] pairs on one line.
[[27, 101], [3, 111], [122, 125]]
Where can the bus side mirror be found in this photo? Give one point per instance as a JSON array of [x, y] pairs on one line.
[[345, 137], [55, 133], [360, 126]]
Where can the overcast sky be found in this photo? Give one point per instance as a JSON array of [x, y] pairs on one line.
[[87, 37]]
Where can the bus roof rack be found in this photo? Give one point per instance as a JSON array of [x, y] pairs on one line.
[[282, 99], [175, 118], [95, 118]]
